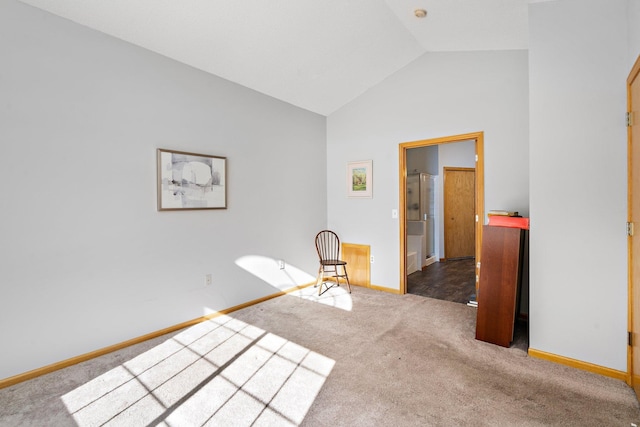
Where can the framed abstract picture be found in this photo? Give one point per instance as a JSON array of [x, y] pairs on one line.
[[188, 181], [360, 179]]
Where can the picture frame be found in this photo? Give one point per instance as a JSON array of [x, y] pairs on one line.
[[360, 179], [190, 181]]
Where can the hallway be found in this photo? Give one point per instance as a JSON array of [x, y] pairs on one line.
[[452, 280]]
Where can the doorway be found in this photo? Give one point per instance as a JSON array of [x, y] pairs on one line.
[[477, 139]]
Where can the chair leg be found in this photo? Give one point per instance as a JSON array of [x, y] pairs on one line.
[[319, 280], [344, 268]]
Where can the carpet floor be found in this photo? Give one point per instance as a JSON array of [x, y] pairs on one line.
[[368, 358]]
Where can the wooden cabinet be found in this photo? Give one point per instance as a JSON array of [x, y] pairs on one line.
[[499, 285], [358, 264]]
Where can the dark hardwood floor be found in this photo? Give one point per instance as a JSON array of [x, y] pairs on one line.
[[452, 280]]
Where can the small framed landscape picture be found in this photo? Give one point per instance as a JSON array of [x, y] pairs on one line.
[[360, 179], [188, 181]]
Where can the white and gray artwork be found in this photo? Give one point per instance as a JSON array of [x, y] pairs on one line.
[[191, 181]]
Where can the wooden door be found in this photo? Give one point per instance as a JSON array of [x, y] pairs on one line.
[[459, 212], [358, 263], [633, 95]]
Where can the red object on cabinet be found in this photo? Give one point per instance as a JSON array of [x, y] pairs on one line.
[[509, 221]]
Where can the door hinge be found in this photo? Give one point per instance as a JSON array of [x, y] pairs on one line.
[[629, 118], [476, 157], [630, 338], [629, 229]]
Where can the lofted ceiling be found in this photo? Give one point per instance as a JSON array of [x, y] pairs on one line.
[[315, 54]]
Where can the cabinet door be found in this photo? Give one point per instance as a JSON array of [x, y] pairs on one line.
[[358, 264], [500, 270]]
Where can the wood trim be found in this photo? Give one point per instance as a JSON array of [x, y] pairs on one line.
[[7, 382], [479, 200], [635, 70], [632, 377], [402, 172], [578, 364], [385, 289]]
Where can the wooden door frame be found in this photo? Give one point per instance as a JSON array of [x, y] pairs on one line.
[[446, 169], [478, 138], [633, 75]]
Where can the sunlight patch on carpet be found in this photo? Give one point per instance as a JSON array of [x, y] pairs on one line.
[[283, 279], [336, 296], [218, 372]]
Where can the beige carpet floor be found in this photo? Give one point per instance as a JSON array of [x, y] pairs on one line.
[[366, 359]]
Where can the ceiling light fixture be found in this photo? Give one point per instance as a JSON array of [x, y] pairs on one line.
[[420, 13]]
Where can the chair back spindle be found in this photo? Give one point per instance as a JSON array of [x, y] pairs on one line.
[[328, 246]]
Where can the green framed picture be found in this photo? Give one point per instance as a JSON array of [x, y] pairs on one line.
[[360, 179]]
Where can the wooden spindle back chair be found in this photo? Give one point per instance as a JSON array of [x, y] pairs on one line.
[[331, 266]]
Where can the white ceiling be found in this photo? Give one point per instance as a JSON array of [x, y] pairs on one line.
[[315, 54]]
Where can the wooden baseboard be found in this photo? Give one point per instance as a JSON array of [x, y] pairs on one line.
[[7, 382], [585, 366], [384, 289]]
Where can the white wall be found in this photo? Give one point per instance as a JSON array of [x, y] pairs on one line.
[[633, 20], [423, 160], [439, 94], [86, 261], [578, 65]]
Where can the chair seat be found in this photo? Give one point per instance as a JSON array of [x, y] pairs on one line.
[[332, 262]]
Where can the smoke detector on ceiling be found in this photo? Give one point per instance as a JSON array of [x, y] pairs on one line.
[[420, 13]]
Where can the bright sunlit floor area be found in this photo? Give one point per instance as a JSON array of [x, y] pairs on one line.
[[284, 277], [219, 372]]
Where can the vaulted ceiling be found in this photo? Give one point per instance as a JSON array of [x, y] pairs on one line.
[[315, 54]]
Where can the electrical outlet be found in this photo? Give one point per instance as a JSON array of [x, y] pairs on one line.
[[371, 259], [281, 264], [208, 279]]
